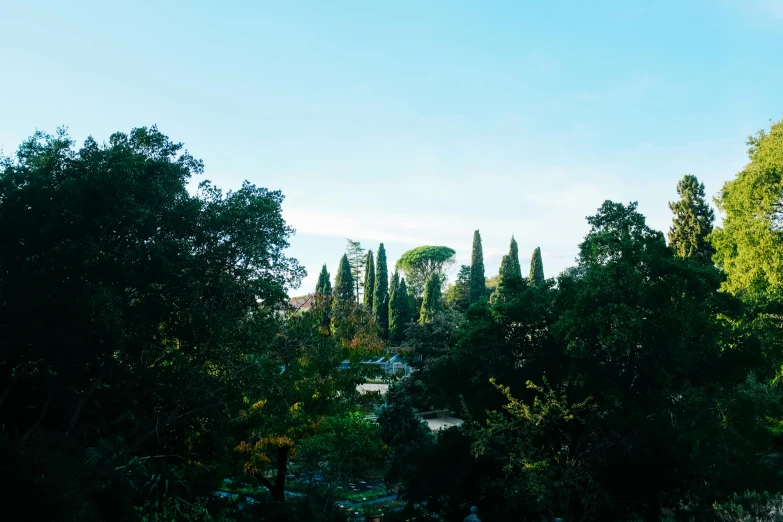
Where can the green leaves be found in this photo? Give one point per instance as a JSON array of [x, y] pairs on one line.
[[478, 288], [381, 292], [692, 223], [133, 312], [421, 262], [431, 301], [749, 242], [536, 276]]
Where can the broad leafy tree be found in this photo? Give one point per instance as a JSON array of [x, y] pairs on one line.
[[749, 241], [121, 356], [420, 263]]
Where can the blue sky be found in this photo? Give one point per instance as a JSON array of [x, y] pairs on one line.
[[414, 122]]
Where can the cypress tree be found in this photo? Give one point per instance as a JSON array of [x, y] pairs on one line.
[[509, 275], [369, 281], [692, 223], [536, 268], [478, 287], [513, 252], [343, 282], [381, 293], [431, 300], [408, 306], [324, 284], [343, 301], [394, 308]]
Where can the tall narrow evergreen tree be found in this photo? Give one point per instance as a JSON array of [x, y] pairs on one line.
[[324, 284], [356, 260], [394, 307], [478, 287], [431, 300], [381, 293], [509, 275], [369, 281], [513, 252], [343, 301], [404, 296], [536, 268], [343, 282], [692, 223]]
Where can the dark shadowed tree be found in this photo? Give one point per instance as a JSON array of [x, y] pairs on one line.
[[478, 289], [394, 305], [509, 275], [431, 301], [369, 281], [134, 314], [381, 294], [458, 294], [343, 281], [400, 313]]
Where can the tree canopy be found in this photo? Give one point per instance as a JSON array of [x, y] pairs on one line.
[[749, 241], [421, 262]]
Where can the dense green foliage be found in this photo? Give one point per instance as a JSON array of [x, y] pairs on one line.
[[477, 287], [536, 276], [141, 325], [458, 294], [509, 275], [513, 254], [431, 301], [749, 242], [149, 357], [343, 281], [692, 223], [399, 310], [421, 262], [631, 390], [369, 281], [324, 284], [356, 260], [381, 297]]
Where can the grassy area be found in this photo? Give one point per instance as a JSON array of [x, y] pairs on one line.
[[300, 487], [355, 496]]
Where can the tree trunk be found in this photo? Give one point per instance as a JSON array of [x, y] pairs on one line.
[[278, 488]]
